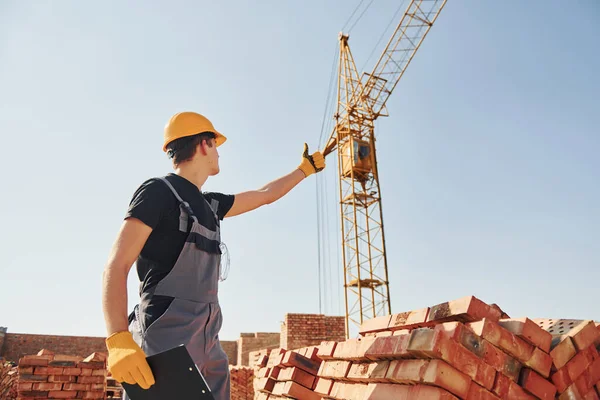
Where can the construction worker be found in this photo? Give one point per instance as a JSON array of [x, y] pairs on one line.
[[172, 232]]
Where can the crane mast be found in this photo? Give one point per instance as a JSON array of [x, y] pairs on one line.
[[360, 101]]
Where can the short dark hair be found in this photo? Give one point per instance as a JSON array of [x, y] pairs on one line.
[[184, 148]]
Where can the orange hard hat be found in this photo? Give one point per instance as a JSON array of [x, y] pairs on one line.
[[189, 123]]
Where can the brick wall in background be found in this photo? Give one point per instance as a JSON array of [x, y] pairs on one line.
[[2, 336], [303, 330], [255, 341], [17, 345], [230, 348]]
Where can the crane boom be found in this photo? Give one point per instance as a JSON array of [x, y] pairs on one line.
[[377, 86], [360, 101]]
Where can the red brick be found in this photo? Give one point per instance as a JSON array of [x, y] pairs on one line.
[[563, 350], [434, 372], [387, 348], [297, 375], [323, 385], [90, 379], [33, 394], [386, 391], [570, 394], [347, 390], [28, 361], [369, 372], [430, 343], [585, 335], [32, 378], [22, 386], [540, 362], [561, 380], [62, 378], [77, 371], [264, 384], [441, 374], [274, 372], [292, 359], [294, 390], [535, 384], [503, 339], [70, 394], [334, 369], [48, 371], [483, 349], [312, 352], [505, 388], [591, 395], [409, 319], [529, 331], [586, 381], [90, 395], [354, 349], [261, 396], [465, 309], [25, 370], [477, 392], [63, 357], [263, 372], [326, 350], [580, 362], [47, 386], [46, 352], [375, 324], [77, 386]]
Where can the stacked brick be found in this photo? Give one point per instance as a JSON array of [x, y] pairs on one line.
[[8, 380], [52, 376], [462, 349], [242, 383], [288, 374], [575, 357]]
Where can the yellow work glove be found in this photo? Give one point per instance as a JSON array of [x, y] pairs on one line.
[[311, 163], [127, 361]]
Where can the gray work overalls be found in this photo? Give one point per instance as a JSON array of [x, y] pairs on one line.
[[194, 316]]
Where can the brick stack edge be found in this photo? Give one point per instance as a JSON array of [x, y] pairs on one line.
[[242, 380], [51, 376], [461, 349]]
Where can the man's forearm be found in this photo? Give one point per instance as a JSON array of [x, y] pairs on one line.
[[281, 186], [114, 300]]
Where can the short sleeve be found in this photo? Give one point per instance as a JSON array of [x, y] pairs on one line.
[[149, 203], [225, 202]]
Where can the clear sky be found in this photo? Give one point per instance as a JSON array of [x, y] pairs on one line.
[[489, 160]]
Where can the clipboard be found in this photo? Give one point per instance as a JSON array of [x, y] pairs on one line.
[[176, 377]]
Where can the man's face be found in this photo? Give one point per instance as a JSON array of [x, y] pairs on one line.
[[212, 157]]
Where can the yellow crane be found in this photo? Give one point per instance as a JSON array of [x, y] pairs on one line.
[[360, 101]]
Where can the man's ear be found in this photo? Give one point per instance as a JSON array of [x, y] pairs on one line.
[[201, 147]]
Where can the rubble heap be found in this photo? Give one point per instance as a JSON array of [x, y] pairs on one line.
[[462, 349]]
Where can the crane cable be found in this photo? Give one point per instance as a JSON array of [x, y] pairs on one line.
[[321, 212]]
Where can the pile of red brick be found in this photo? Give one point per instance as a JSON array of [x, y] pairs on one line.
[[8, 380], [462, 349], [242, 383], [52, 376], [288, 374]]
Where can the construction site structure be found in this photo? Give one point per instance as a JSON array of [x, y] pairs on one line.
[[360, 101]]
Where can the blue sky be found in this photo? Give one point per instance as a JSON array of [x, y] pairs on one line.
[[489, 159]]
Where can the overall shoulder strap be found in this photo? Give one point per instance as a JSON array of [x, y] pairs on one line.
[[184, 205]]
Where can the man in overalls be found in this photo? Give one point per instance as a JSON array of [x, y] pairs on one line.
[[172, 232]]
